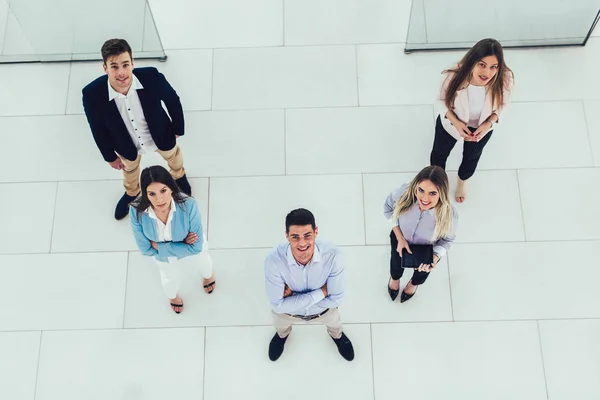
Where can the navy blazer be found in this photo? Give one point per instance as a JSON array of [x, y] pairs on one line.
[[107, 125]]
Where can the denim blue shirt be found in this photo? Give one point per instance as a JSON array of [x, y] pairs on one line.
[[305, 280], [418, 226], [187, 219]]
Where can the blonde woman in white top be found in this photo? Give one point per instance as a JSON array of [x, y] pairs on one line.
[[472, 97]]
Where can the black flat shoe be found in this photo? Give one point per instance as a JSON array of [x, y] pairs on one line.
[[345, 347], [405, 297], [393, 293], [276, 347], [122, 208], [184, 185]]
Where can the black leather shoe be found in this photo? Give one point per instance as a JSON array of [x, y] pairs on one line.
[[276, 347], [345, 347], [393, 293], [184, 185], [123, 206], [405, 297]]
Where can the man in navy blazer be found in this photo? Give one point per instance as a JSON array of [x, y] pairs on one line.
[[127, 119]]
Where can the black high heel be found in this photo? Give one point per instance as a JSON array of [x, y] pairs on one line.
[[393, 293], [405, 296]]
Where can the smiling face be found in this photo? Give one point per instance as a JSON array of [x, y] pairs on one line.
[[302, 242], [484, 70], [427, 194], [160, 196], [119, 70]]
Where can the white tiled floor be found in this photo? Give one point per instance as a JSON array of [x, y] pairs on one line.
[[294, 103]]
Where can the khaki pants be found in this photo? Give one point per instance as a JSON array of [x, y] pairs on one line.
[[331, 319], [131, 173]]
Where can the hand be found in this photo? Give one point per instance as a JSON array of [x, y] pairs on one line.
[[117, 164], [191, 238], [481, 131], [425, 267], [287, 291], [154, 245], [324, 289], [403, 244], [462, 129]]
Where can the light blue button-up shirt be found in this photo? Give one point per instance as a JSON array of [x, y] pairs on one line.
[[418, 226], [305, 280]]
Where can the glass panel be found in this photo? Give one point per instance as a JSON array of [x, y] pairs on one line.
[[66, 30], [458, 24]]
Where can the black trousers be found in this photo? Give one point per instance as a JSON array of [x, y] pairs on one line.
[[396, 270], [443, 145]]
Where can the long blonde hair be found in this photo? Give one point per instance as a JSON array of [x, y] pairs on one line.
[[443, 209]]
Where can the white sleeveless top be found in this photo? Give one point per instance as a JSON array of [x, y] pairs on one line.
[[476, 100]]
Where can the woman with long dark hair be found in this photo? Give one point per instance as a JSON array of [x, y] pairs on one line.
[[472, 97], [167, 226], [420, 213]]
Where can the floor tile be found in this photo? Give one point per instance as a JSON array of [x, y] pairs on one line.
[[239, 297], [18, 364], [592, 108], [531, 84], [189, 72], [367, 299], [571, 351], [489, 190], [359, 139], [547, 216], [62, 146], [63, 291], [191, 24], [535, 141], [102, 232], [285, 77], [240, 355], [218, 143], [388, 76], [47, 81], [492, 361], [505, 281], [3, 19], [122, 364], [316, 22], [27, 209], [335, 200]]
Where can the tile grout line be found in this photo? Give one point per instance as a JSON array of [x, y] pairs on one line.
[[53, 219], [37, 372], [283, 25], [521, 204], [68, 87], [126, 285], [362, 182], [450, 286], [587, 129], [356, 70], [285, 142], [372, 360], [212, 79], [542, 355], [204, 365]]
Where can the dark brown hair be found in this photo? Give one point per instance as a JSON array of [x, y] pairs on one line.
[[462, 73], [155, 174], [114, 47]]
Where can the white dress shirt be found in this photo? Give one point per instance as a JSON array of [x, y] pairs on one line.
[[131, 111], [163, 230], [476, 99]]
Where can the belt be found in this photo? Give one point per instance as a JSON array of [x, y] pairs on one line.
[[308, 317]]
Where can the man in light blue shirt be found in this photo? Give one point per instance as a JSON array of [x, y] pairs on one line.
[[305, 283]]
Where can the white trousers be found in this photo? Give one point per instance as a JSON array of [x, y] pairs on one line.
[[170, 272]]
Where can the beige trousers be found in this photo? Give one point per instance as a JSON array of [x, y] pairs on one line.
[[331, 319], [131, 173]]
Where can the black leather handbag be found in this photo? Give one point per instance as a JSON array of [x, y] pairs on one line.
[[421, 254]]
